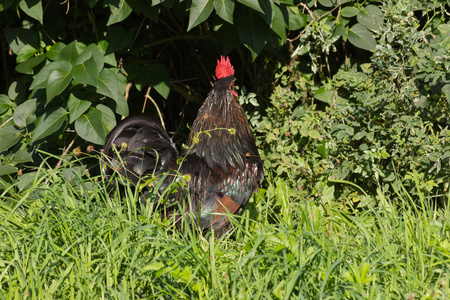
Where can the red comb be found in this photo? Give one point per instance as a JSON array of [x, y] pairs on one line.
[[224, 68]]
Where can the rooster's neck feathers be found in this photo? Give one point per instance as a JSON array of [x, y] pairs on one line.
[[229, 142]]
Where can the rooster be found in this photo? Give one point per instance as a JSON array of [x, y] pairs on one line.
[[221, 163]]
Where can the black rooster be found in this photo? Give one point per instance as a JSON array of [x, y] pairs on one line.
[[221, 163]]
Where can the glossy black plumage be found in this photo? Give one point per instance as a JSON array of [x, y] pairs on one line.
[[222, 160]]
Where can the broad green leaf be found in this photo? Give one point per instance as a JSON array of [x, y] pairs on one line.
[[293, 17], [86, 72], [27, 66], [26, 180], [361, 37], [227, 35], [324, 95], [349, 11], [278, 24], [200, 11], [25, 53], [332, 3], [118, 38], [107, 84], [253, 33], [109, 58], [7, 169], [224, 9], [71, 52], [287, 2], [33, 8], [328, 194], [145, 7], [9, 135], [120, 106], [57, 82], [94, 126], [97, 54], [254, 4], [77, 107], [120, 10], [17, 38], [158, 77], [267, 15], [370, 17], [54, 51], [18, 90], [446, 90], [5, 4], [40, 80], [20, 157], [50, 123], [24, 113], [108, 117], [5, 103]]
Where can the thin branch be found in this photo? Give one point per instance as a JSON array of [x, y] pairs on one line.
[[65, 153], [147, 96], [68, 5], [6, 122]]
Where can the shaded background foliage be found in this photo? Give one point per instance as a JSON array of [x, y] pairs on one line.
[[339, 92]]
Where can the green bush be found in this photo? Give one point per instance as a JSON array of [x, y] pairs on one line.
[[374, 123]]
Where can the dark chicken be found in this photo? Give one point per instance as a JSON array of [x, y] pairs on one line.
[[222, 162]]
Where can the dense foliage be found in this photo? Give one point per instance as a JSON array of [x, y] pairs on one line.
[[350, 104]]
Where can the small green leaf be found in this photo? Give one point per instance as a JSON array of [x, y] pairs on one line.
[[371, 17], [17, 38], [24, 113], [33, 8], [71, 52], [27, 66], [20, 157], [50, 123], [6, 4], [446, 90], [94, 125], [57, 82], [40, 80], [25, 53], [9, 135], [199, 12], [86, 72], [253, 33], [293, 17], [118, 38], [324, 95], [254, 4], [361, 37], [7, 169], [107, 84], [349, 11], [5, 103], [225, 9], [332, 3], [110, 58], [158, 77], [54, 51], [278, 24], [120, 10], [77, 107]]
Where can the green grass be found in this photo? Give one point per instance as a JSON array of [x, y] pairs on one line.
[[62, 237]]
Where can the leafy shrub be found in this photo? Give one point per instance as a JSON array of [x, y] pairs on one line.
[[383, 120]]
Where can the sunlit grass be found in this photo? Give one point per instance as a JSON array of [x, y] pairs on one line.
[[62, 236]]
